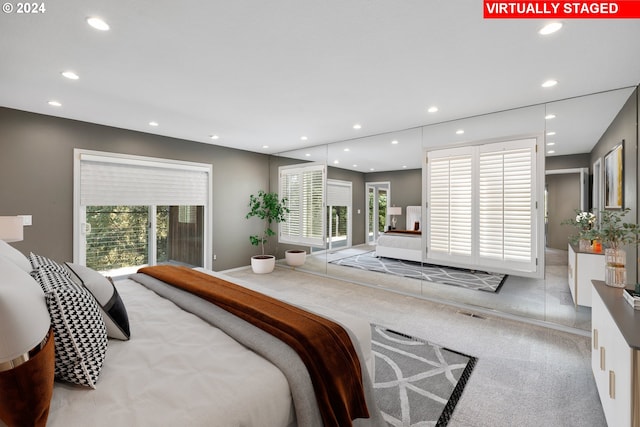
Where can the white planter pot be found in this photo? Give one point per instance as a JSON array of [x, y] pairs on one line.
[[261, 264], [295, 257]]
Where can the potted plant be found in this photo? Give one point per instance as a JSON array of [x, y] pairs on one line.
[[270, 209], [584, 222], [295, 257], [615, 234]]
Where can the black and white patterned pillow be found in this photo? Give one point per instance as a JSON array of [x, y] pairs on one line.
[[79, 330], [38, 261]]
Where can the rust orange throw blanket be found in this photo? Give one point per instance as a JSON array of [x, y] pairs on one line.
[[324, 346]]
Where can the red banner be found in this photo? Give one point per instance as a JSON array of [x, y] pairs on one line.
[[623, 9]]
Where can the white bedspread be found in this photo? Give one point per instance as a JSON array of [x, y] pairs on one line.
[[191, 381]]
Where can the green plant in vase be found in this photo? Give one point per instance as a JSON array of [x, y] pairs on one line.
[[585, 223]]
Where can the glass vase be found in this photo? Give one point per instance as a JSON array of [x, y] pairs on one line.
[[615, 267], [584, 245]]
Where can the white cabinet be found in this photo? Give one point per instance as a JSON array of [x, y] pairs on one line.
[[583, 267], [614, 361]]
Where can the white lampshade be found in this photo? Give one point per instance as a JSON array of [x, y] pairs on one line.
[[395, 210], [24, 318], [11, 228]]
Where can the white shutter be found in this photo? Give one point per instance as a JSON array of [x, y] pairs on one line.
[[450, 206], [114, 180], [481, 206], [303, 186]]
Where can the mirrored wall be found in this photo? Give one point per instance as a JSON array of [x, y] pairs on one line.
[[376, 183]]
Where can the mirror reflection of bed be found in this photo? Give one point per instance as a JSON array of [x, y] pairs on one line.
[[404, 244]]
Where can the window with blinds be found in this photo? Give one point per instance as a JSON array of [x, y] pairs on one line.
[[481, 206], [113, 191], [304, 188]]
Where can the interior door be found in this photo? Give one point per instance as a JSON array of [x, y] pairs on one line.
[[563, 198]]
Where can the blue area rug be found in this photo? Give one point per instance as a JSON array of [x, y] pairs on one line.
[[470, 279]]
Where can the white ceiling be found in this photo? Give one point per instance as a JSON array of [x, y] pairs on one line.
[[261, 73]]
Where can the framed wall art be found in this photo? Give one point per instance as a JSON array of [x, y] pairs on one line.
[[614, 178]]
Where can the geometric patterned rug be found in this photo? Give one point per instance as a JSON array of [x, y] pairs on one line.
[[470, 279], [417, 383]]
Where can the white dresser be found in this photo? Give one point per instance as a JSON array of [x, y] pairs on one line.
[[583, 268], [615, 355]]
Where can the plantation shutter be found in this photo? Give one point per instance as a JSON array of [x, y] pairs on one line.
[[506, 205], [481, 208], [303, 187], [114, 180], [449, 201]]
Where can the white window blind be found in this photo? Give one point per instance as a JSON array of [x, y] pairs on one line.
[[113, 180], [338, 193], [303, 187], [481, 208]]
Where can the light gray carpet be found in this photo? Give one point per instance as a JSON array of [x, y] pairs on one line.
[[476, 280], [417, 382], [526, 376]]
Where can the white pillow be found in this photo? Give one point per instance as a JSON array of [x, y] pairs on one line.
[[24, 319], [15, 256]]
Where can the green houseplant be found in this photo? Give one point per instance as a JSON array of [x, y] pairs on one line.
[[269, 208]]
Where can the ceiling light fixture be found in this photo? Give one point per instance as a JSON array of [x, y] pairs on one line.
[[550, 116], [303, 138], [459, 131], [154, 124], [551, 133], [550, 151], [355, 166], [550, 83], [432, 109], [549, 144], [214, 136], [308, 155], [54, 103], [395, 142], [550, 28], [265, 147], [98, 23], [70, 75], [335, 162], [357, 126], [346, 149]]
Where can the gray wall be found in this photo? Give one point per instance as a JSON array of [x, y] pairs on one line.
[[625, 127], [36, 176], [406, 189]]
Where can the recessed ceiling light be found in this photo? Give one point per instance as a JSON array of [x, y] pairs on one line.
[[371, 169], [432, 109], [550, 83], [98, 23], [54, 103], [355, 166], [214, 136], [550, 116], [404, 166], [347, 149], [459, 131], [551, 133], [357, 126], [335, 162], [550, 28], [550, 151], [395, 142], [551, 143], [308, 155], [265, 146], [70, 75], [303, 138], [153, 124]]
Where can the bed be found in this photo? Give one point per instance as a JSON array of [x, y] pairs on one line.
[[177, 368], [403, 244]]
